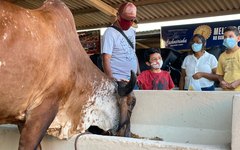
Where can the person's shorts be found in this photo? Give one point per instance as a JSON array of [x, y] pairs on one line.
[[210, 88]]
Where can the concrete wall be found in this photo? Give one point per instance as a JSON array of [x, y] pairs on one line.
[[236, 123], [9, 141], [184, 119]]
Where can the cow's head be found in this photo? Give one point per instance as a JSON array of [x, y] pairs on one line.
[[126, 103], [110, 117]]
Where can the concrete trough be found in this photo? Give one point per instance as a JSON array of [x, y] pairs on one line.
[[186, 120]]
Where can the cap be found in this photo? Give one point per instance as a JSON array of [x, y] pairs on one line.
[[128, 11]]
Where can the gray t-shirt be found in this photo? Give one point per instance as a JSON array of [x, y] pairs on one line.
[[123, 55]]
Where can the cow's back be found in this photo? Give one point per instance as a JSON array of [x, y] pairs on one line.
[[39, 51]]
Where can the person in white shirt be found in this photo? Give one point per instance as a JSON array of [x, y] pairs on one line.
[[200, 66]]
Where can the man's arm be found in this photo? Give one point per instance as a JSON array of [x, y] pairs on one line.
[[223, 83], [182, 79], [106, 65], [235, 84], [226, 85], [210, 76]]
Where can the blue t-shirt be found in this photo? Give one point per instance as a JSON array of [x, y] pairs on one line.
[[123, 58]]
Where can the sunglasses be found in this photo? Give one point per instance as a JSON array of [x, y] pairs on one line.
[[133, 20]]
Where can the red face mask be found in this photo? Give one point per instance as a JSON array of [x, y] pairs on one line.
[[125, 24]]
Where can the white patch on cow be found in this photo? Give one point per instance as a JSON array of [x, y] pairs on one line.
[[5, 36], [62, 123], [65, 130], [102, 109], [32, 34], [21, 116], [28, 15], [27, 30], [4, 23], [34, 18], [2, 63]]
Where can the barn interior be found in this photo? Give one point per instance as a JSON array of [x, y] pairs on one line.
[[191, 117], [92, 14], [96, 14]]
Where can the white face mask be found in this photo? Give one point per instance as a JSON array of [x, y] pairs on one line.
[[157, 65]]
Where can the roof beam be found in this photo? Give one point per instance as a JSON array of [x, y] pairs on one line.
[[95, 2], [83, 11], [103, 7], [142, 45], [212, 14], [219, 13], [151, 2]]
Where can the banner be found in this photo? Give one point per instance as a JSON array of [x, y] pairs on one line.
[[178, 37]]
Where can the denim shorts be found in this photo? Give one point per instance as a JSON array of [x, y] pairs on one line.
[[210, 88]]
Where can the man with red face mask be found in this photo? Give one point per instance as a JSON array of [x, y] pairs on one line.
[[118, 50]]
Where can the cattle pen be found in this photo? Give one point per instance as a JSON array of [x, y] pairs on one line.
[[185, 120]]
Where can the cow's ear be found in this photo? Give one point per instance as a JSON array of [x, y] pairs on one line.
[[125, 89]]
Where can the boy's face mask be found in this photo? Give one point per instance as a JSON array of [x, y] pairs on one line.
[[229, 43], [157, 64]]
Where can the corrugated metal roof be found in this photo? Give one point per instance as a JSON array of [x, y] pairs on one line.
[[86, 16]]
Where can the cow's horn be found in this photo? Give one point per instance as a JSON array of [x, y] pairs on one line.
[[124, 90]]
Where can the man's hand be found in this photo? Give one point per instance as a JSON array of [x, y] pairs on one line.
[[197, 75], [124, 80]]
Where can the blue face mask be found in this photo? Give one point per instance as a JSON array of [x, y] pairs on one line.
[[229, 43], [196, 47]]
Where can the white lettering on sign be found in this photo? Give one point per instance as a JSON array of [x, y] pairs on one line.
[[218, 33], [176, 41]]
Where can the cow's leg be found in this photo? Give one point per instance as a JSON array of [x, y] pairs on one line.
[[20, 127], [37, 122], [126, 105]]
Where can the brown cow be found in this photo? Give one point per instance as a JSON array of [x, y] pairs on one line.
[[48, 83]]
